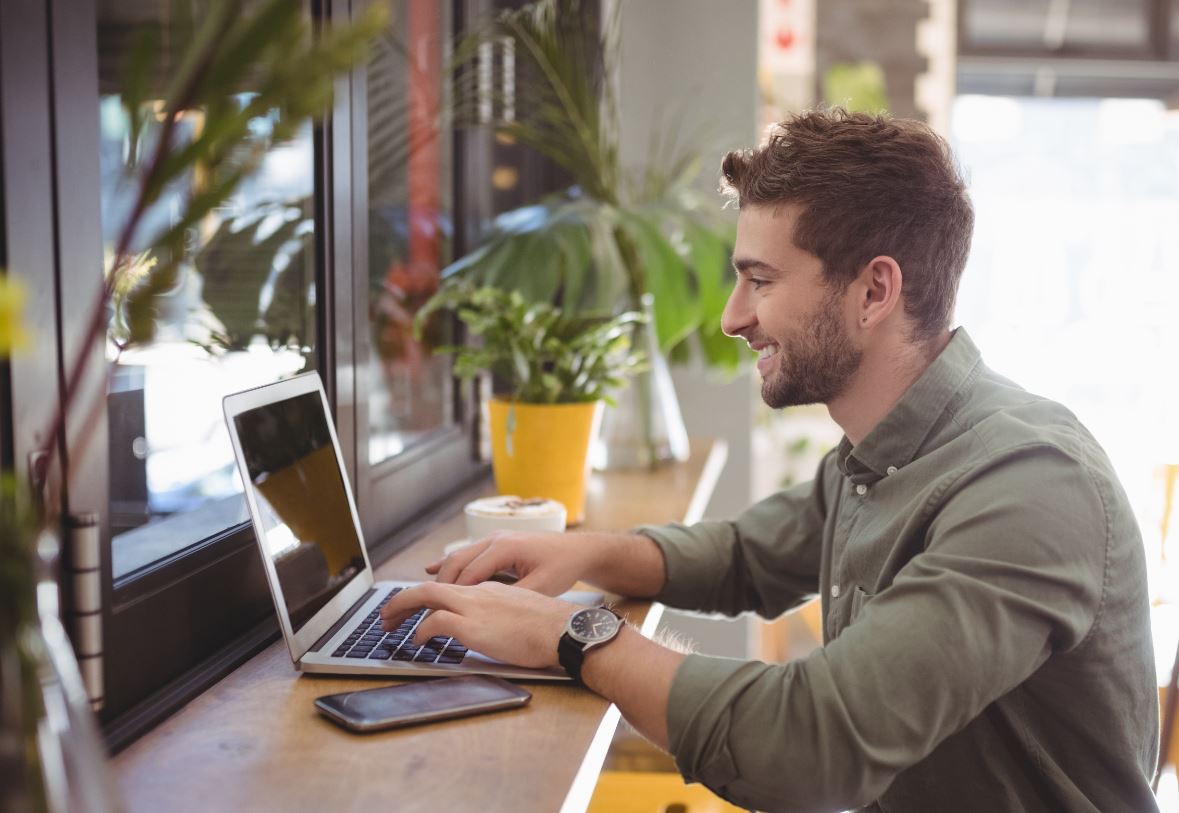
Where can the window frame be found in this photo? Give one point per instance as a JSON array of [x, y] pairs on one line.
[[1149, 71], [396, 481], [174, 627], [1156, 14]]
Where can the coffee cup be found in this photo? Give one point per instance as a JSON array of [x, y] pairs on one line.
[[512, 513]]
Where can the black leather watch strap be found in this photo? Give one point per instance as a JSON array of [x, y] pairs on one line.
[[571, 654]]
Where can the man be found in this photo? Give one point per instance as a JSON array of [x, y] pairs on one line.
[[982, 578]]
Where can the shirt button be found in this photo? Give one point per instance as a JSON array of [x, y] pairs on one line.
[[861, 490], [835, 591], [891, 470]]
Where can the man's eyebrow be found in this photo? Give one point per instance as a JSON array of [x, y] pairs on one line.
[[751, 264]]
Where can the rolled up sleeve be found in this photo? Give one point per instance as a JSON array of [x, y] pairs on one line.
[[765, 561]]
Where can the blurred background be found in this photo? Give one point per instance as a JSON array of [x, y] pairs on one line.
[[1064, 115]]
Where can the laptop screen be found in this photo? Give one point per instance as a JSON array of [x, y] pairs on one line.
[[306, 519]]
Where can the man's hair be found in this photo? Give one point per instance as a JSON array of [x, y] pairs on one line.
[[868, 186]]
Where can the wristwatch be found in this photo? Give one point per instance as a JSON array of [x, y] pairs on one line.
[[586, 629]]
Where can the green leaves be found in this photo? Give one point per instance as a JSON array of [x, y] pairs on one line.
[[563, 105], [547, 356], [239, 260], [591, 258], [250, 77], [610, 238], [560, 251]]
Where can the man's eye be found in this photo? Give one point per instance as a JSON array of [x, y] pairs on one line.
[[757, 283]]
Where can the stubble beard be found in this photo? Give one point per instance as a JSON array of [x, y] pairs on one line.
[[816, 368]]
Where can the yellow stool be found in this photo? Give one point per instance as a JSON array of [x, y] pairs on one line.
[[649, 792]]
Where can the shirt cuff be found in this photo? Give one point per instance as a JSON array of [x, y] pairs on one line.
[[699, 716], [682, 553]]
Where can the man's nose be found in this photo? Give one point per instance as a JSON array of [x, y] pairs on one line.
[[739, 315]]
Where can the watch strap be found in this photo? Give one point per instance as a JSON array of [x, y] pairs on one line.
[[571, 654]]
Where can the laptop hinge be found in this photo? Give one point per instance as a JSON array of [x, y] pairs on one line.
[[344, 619]]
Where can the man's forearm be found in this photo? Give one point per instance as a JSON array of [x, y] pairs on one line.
[[636, 675], [626, 564]]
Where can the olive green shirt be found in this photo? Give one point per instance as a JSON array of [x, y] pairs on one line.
[[987, 639]]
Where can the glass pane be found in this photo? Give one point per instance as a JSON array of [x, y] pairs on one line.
[[1066, 191], [243, 313], [411, 391], [1088, 25], [1174, 49], [1005, 23], [1114, 24]]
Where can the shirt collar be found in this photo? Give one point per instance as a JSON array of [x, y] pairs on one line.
[[895, 441]]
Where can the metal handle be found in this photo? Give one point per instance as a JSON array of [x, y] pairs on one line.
[[81, 581]]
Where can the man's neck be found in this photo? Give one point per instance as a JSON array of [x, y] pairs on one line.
[[886, 373]]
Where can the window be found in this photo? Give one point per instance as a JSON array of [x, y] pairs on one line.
[[410, 234], [1083, 48], [1077, 26], [423, 195], [1073, 251], [243, 314], [286, 277]]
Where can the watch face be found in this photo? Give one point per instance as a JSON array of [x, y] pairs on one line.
[[593, 624]]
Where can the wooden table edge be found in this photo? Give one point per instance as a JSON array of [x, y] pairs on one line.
[[142, 758], [586, 779]]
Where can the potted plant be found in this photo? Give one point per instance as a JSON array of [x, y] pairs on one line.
[[558, 369], [610, 241]]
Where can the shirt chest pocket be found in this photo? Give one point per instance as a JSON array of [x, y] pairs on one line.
[[856, 602], [845, 611]]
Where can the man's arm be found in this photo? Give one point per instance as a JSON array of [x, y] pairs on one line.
[[766, 560], [636, 674], [1013, 572]]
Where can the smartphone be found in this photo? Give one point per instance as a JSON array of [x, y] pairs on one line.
[[420, 702]]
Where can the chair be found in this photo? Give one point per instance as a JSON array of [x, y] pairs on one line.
[[1171, 702], [653, 792], [791, 636]]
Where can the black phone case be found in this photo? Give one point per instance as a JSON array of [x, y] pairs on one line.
[[495, 693]]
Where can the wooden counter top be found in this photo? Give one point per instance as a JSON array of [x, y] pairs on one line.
[[254, 742]]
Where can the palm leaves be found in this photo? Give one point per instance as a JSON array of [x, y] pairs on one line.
[[289, 74], [602, 244]]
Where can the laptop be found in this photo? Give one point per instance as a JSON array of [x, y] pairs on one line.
[[313, 551]]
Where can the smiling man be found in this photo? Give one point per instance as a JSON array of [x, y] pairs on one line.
[[987, 643]]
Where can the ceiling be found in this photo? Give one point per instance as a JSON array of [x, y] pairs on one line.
[[1124, 48]]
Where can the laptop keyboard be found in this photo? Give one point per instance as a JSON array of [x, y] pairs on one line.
[[369, 641]]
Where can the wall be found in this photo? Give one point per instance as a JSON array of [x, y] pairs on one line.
[[690, 67], [914, 41]]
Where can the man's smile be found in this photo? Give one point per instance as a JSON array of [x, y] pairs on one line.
[[766, 351]]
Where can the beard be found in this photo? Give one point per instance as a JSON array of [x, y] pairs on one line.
[[815, 367]]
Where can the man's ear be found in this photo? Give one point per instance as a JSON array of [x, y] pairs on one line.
[[880, 282]]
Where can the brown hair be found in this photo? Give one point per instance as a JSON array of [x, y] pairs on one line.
[[868, 185]]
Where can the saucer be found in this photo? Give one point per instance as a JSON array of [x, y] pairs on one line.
[[457, 544]]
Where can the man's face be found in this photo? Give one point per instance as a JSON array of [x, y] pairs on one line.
[[781, 306]]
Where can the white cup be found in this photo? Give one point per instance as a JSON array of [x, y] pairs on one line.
[[512, 514]]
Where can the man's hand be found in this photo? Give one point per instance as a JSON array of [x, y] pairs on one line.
[[627, 564], [548, 563], [509, 624]]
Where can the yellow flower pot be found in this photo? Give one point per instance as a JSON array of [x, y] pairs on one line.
[[542, 450]]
